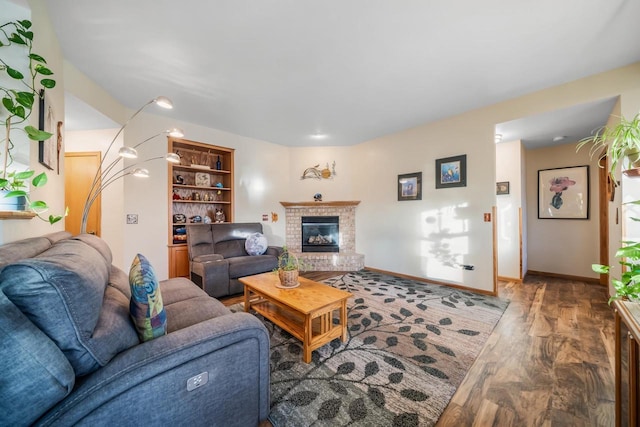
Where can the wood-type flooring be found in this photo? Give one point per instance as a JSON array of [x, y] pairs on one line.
[[548, 362]]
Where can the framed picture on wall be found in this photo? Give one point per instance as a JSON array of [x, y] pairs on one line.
[[410, 186], [563, 193], [451, 172], [46, 122]]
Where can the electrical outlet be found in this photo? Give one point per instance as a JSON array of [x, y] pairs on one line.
[[265, 217], [132, 218]]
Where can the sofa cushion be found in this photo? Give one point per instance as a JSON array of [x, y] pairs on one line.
[[256, 244], [147, 310], [186, 304], [63, 291], [249, 265], [35, 373]]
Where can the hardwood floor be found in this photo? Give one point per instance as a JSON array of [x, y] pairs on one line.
[[549, 361]]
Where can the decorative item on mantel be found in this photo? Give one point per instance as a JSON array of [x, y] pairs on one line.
[[317, 197], [316, 173]]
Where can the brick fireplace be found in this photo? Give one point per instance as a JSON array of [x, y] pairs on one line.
[[346, 259]]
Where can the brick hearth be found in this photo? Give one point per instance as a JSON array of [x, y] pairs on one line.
[[345, 260]]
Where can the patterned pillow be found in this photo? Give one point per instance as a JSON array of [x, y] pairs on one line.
[[146, 307], [256, 244]]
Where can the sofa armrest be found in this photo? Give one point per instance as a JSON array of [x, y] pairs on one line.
[[276, 251], [207, 258], [217, 371], [212, 276]]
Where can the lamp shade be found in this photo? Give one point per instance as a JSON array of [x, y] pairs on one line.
[[164, 102], [175, 132], [141, 173], [172, 158], [128, 152]]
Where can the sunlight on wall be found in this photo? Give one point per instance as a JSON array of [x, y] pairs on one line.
[[446, 242], [254, 186]]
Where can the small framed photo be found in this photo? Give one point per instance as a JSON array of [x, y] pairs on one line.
[[451, 172], [502, 188], [410, 186], [203, 179], [563, 193]]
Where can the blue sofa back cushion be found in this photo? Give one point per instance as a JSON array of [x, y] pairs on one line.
[[64, 292], [35, 373]]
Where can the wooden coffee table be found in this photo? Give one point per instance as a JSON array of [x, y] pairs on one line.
[[306, 312]]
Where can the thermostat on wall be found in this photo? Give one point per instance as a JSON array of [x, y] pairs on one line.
[[132, 218]]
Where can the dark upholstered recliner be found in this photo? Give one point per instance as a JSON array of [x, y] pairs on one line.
[[217, 257]]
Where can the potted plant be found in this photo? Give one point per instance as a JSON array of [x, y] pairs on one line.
[[616, 143], [288, 269], [18, 92]]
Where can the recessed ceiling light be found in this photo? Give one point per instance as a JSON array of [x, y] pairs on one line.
[[319, 135], [498, 138], [559, 138]]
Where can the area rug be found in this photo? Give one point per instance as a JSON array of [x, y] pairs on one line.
[[409, 347]]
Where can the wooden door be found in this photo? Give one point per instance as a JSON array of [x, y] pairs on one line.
[[80, 169]]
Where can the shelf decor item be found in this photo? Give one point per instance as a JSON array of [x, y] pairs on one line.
[[203, 179]]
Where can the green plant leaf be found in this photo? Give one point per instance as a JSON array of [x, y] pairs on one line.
[[16, 193], [39, 180], [41, 69], [14, 74], [3, 182], [24, 174], [48, 83], [37, 135], [26, 34], [20, 111], [54, 219], [15, 38], [602, 269], [26, 24], [25, 99], [38, 205], [37, 58], [8, 104]]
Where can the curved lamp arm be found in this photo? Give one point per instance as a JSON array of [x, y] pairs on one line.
[[129, 170]]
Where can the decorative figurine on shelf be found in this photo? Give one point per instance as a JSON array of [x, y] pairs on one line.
[[207, 220], [179, 179], [219, 185], [219, 216], [219, 164], [176, 196], [317, 197], [179, 218], [205, 197], [196, 219]]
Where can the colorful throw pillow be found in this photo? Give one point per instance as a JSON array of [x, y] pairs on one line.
[[146, 307], [256, 244]]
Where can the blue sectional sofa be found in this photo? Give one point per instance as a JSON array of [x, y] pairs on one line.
[[70, 354]]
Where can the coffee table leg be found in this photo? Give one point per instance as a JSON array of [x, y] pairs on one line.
[[306, 345], [343, 320], [247, 294]]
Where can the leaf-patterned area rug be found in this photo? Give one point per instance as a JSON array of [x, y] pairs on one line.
[[409, 347]]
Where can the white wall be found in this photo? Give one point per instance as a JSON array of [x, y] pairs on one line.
[[508, 168], [562, 246]]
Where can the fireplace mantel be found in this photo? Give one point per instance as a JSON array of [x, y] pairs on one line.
[[337, 203]]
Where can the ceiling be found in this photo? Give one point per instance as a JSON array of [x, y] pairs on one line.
[[289, 72]]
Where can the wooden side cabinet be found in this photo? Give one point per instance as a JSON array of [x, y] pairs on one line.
[[627, 315], [178, 261]]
